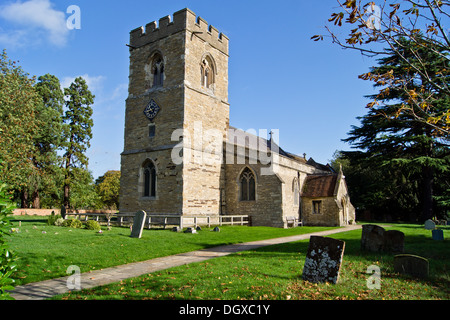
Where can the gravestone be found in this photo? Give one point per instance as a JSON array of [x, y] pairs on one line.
[[372, 238], [190, 230], [437, 234], [323, 259], [410, 264], [430, 225], [394, 241], [138, 224], [216, 229]]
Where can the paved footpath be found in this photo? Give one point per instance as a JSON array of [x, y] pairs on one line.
[[48, 288]]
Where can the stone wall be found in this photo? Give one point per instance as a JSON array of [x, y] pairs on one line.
[[328, 216]]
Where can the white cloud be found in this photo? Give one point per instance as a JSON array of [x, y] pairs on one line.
[[95, 83], [34, 18]]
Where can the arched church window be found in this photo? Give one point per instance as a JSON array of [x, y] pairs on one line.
[[247, 185], [158, 71], [149, 180], [207, 72]]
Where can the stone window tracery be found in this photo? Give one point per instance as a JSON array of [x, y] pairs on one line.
[[149, 179], [247, 185], [207, 72], [158, 71]]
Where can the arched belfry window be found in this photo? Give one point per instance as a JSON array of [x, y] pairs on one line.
[[149, 172], [247, 183], [156, 70], [208, 70]]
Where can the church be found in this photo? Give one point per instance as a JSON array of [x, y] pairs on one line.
[[181, 156]]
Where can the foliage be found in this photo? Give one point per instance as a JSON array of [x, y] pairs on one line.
[[78, 130], [7, 258], [72, 223], [52, 218], [48, 140], [18, 123], [107, 187], [394, 141], [83, 193], [59, 222], [92, 225], [422, 23]]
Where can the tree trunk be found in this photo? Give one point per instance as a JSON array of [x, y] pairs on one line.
[[24, 199], [66, 200], [36, 200]]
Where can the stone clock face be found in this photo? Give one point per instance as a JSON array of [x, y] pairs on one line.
[[151, 110]]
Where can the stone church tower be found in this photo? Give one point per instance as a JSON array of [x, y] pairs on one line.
[[182, 158], [176, 108]]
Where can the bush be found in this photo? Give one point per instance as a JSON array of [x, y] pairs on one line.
[[72, 223], [7, 259], [59, 222], [92, 225], [52, 219]]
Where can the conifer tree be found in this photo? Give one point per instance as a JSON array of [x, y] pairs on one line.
[[78, 131], [412, 156]]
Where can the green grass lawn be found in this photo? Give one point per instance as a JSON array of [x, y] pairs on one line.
[[46, 252], [274, 272]]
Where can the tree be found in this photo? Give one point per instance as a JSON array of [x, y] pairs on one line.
[[378, 30], [107, 187], [48, 139], [18, 123], [78, 131], [396, 141]]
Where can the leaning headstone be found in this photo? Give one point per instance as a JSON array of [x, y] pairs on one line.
[[372, 238], [412, 265], [394, 241], [138, 224], [323, 259], [437, 234], [430, 225]]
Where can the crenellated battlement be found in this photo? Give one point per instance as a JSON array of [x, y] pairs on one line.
[[182, 20]]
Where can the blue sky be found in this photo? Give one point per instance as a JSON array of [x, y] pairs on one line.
[[278, 77]]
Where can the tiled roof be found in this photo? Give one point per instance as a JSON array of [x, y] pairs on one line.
[[319, 186]]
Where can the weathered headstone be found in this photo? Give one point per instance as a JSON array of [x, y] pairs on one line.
[[437, 234], [394, 241], [323, 259], [138, 224], [372, 238], [430, 225], [410, 264]]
